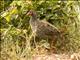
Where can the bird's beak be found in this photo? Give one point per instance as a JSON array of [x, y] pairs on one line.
[[28, 13]]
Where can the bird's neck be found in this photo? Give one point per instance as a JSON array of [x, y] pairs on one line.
[[33, 18], [33, 22]]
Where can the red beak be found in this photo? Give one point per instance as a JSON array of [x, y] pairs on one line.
[[29, 13]]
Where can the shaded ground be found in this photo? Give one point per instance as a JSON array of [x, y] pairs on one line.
[[75, 56]]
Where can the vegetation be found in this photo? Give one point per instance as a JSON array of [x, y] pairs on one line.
[[16, 33]]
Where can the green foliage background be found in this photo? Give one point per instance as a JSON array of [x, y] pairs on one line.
[[15, 29]]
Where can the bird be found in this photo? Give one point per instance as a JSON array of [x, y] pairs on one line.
[[43, 29]]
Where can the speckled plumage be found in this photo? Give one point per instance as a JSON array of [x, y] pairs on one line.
[[43, 29]]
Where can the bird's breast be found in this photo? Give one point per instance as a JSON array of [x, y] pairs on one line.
[[33, 26]]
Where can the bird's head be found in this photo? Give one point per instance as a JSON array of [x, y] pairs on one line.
[[31, 13]]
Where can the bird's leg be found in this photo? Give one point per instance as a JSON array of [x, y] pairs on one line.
[[52, 45], [34, 40]]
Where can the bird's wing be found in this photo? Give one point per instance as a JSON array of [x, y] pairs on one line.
[[47, 28], [47, 24]]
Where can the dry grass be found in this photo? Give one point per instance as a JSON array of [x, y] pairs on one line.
[[16, 45]]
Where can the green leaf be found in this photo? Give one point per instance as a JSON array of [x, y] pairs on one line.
[[8, 14], [8, 17], [14, 11]]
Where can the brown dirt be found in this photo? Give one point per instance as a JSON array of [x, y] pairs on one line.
[[74, 56]]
